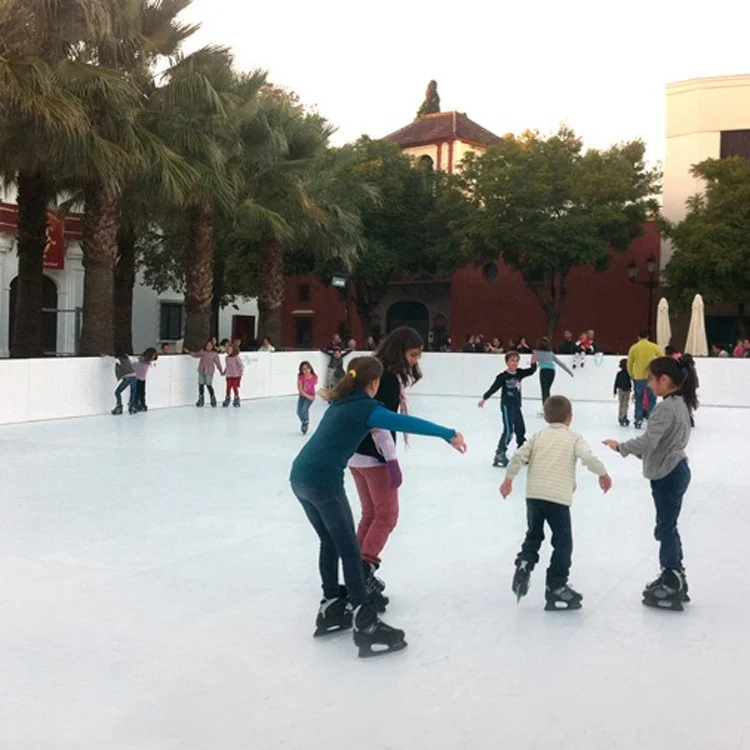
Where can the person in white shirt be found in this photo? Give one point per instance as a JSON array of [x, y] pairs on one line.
[[551, 455], [266, 346]]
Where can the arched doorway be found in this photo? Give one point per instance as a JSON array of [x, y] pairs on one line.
[[409, 313], [49, 314]]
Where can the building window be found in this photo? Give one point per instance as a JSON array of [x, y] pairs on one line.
[[171, 319], [303, 292], [735, 143], [490, 272], [303, 335]]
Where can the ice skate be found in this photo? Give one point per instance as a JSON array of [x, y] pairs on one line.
[[132, 409], [638, 424], [374, 587], [237, 403], [501, 459], [666, 592], [562, 599], [304, 427], [372, 636], [334, 615], [213, 401], [117, 409], [226, 402], [521, 577], [624, 421], [201, 400], [371, 580]]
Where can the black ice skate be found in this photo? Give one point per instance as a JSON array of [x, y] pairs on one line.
[[117, 409], [132, 409], [237, 402], [201, 400], [373, 636], [226, 401], [501, 459], [213, 401], [304, 426], [334, 615], [521, 577], [562, 599], [638, 424], [666, 592], [374, 586], [624, 422], [685, 588]]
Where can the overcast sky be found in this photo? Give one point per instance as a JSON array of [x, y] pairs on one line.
[[598, 65]]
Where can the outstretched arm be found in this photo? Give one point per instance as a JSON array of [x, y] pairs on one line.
[[562, 365], [382, 418]]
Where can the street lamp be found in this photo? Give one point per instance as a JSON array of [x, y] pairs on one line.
[[652, 282], [340, 280]]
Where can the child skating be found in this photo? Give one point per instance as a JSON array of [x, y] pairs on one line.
[[208, 363], [509, 383], [547, 360], [622, 389], [234, 367], [317, 479], [551, 455], [307, 383], [125, 374], [665, 464], [142, 366]]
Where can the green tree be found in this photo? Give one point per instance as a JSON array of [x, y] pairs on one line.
[[548, 207], [431, 103], [712, 247], [44, 128]]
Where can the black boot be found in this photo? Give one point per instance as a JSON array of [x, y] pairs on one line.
[[226, 401], [501, 459], [562, 598], [372, 635], [334, 615], [521, 577], [117, 409], [374, 587], [212, 395], [666, 592]]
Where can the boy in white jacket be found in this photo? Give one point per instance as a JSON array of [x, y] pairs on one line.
[[551, 455]]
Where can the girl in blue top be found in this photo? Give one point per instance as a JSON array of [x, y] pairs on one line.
[[547, 360], [317, 479]]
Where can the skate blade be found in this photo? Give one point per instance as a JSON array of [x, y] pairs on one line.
[[370, 651], [323, 632], [562, 606], [663, 604]]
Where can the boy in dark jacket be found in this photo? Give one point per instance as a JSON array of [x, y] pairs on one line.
[[510, 404], [622, 389]]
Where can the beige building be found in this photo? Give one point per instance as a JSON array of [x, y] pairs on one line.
[[707, 118], [440, 141]]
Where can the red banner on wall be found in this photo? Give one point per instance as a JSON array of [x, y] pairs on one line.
[[54, 250]]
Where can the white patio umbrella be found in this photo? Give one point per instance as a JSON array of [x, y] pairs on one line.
[[696, 343], [663, 327]]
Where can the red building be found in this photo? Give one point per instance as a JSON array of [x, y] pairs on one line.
[[472, 301]]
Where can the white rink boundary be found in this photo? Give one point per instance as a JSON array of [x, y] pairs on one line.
[[39, 389]]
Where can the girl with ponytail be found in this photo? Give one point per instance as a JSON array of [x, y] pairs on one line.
[[317, 479], [662, 448]]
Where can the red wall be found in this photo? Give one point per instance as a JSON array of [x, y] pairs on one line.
[[607, 302]]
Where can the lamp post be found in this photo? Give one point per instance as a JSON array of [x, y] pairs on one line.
[[651, 283], [340, 280]]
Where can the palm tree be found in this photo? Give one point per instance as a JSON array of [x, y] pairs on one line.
[[43, 128]]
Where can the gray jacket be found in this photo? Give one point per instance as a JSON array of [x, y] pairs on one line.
[[664, 442], [548, 360]]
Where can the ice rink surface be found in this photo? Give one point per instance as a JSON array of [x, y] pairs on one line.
[[158, 589]]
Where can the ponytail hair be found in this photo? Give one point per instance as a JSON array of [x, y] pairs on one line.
[[682, 373], [360, 372]]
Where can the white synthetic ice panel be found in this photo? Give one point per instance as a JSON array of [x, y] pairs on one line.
[[158, 588]]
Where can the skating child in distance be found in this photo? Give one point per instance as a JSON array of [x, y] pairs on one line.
[[317, 479], [622, 389], [307, 383], [547, 360], [145, 361], [208, 363], [551, 455], [375, 468], [125, 374], [662, 448], [234, 367], [509, 383]]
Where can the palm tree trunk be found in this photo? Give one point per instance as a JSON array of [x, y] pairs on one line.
[[26, 336], [271, 297], [99, 245], [199, 276], [124, 283]]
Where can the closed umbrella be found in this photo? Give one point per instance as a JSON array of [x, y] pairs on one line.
[[663, 327], [696, 343]]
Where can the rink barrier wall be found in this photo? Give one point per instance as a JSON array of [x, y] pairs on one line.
[[36, 389]]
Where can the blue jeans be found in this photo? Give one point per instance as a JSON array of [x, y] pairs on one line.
[[303, 409], [128, 382], [668, 493], [639, 386], [330, 514]]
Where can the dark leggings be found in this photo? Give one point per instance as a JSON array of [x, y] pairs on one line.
[[546, 378]]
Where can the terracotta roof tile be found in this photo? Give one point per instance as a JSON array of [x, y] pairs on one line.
[[443, 126]]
